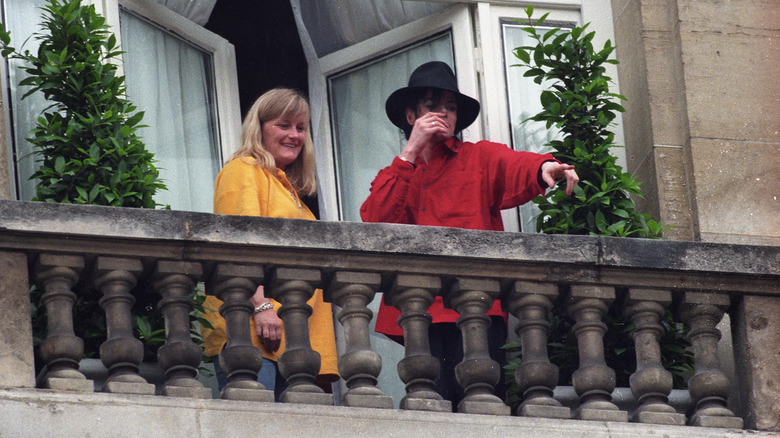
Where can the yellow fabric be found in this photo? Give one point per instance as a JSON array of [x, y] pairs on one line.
[[247, 190]]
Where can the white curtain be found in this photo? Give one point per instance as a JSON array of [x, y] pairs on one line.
[[22, 18], [365, 140], [336, 24], [196, 10], [169, 80]]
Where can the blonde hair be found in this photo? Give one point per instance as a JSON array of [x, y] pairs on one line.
[[275, 103]]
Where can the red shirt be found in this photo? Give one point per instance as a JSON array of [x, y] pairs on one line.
[[463, 185]]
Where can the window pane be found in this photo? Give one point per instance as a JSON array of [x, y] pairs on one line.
[[22, 20], [364, 139], [167, 78], [172, 82], [523, 96]]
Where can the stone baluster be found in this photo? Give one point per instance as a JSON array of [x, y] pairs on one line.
[[419, 370], [709, 386], [180, 357], [478, 373], [121, 353], [651, 384], [234, 284], [359, 366], [593, 381], [62, 350], [530, 302], [299, 364]]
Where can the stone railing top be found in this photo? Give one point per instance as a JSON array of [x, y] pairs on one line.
[[35, 227]]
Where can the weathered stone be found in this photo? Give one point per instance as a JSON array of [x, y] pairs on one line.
[[756, 330], [240, 360], [17, 368], [180, 357], [358, 365]]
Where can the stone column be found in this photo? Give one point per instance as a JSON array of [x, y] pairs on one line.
[[359, 366], [412, 295], [478, 374], [593, 381], [180, 357], [756, 330], [121, 353], [17, 363], [651, 384], [530, 302], [299, 364], [709, 386], [234, 284], [62, 349]]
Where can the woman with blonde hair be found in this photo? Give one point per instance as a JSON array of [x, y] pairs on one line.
[[265, 177]]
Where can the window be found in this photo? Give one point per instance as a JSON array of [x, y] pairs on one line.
[[179, 74], [348, 88], [514, 98], [362, 138], [358, 81]]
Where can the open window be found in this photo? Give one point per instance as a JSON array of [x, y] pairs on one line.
[[509, 98], [359, 79], [353, 137], [181, 75]]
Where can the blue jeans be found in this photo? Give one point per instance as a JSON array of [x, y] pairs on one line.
[[268, 375]]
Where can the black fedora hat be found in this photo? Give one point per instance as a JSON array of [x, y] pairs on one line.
[[435, 74]]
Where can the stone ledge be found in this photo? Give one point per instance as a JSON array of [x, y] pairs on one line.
[[188, 234], [34, 413]]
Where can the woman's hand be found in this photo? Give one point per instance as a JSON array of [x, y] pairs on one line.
[[553, 171], [267, 324]]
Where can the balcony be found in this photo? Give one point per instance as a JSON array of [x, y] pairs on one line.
[[59, 247]]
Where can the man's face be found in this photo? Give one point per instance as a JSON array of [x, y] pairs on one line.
[[445, 103]]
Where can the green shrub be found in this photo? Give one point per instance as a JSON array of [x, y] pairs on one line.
[[87, 145], [579, 104], [86, 141]]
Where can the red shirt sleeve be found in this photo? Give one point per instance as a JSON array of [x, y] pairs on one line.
[[387, 201], [513, 176]]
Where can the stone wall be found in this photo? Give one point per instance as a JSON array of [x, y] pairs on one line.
[[705, 127]]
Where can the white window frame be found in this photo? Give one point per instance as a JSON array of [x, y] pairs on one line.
[[477, 42], [228, 123], [490, 36], [457, 19], [224, 61], [495, 104]]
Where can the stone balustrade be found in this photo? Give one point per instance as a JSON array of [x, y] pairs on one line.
[[62, 248]]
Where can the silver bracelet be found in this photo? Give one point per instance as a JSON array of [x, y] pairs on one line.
[[262, 307]]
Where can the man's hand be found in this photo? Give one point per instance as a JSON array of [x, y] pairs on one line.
[[425, 128], [553, 171]]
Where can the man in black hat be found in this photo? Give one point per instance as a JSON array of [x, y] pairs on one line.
[[440, 180]]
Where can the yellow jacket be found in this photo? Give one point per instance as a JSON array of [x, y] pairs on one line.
[[244, 189]]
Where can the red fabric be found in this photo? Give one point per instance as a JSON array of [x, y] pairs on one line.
[[463, 185]]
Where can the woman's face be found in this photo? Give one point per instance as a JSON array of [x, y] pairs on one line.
[[283, 137]]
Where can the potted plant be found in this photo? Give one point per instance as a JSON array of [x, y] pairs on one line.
[[86, 141]]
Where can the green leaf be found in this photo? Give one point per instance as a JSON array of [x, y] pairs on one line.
[[59, 164], [96, 189], [522, 55], [601, 221]]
